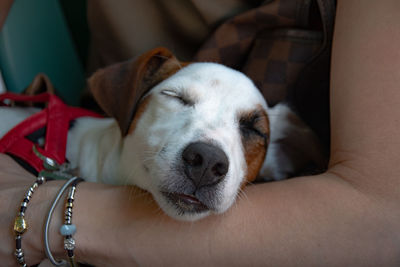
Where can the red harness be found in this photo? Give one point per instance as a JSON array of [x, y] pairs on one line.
[[56, 117]]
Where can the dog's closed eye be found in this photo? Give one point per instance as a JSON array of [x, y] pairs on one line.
[[181, 97], [254, 124]]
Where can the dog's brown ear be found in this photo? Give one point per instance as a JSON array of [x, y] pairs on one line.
[[119, 88]]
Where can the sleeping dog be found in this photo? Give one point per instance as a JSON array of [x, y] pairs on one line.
[[190, 134]]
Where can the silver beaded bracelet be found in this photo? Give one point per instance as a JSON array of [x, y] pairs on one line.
[[67, 229], [20, 225]]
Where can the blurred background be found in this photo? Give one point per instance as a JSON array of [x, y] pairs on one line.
[[53, 39]]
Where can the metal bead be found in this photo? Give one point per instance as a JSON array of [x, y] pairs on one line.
[[71, 192], [41, 180], [19, 253], [20, 225], [68, 213], [34, 186], [69, 243], [72, 262], [29, 193]]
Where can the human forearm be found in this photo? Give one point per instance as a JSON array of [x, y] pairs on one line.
[[319, 220], [365, 90], [301, 222], [310, 221]]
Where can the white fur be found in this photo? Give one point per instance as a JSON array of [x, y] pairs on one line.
[[146, 157], [219, 94]]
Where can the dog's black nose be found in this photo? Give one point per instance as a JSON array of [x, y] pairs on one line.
[[205, 164]]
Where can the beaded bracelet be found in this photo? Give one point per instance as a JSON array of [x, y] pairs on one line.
[[69, 242], [20, 225], [68, 229]]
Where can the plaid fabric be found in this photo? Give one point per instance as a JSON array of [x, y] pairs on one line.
[[268, 44], [284, 47], [231, 42], [277, 58]]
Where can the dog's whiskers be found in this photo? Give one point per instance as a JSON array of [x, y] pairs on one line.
[[241, 195]]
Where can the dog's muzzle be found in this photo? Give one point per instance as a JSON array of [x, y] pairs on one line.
[[204, 166]]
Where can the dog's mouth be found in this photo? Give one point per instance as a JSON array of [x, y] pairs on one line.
[[186, 203]]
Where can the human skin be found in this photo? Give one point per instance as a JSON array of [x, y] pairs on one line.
[[348, 216]]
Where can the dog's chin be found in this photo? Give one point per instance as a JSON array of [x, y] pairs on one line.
[[182, 207]]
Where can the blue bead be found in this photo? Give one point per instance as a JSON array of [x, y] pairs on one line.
[[67, 229]]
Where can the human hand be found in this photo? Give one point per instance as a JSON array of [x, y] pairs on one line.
[[101, 213]]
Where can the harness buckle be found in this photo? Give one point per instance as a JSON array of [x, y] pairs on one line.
[[51, 168]]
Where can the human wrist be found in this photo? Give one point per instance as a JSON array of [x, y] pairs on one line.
[[88, 220], [103, 217], [33, 239]]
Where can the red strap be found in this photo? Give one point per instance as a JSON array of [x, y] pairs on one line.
[[57, 129], [56, 118], [23, 150], [40, 98]]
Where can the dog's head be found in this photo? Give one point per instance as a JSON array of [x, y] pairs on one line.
[[194, 134]]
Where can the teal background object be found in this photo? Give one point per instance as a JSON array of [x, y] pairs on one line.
[[35, 38]]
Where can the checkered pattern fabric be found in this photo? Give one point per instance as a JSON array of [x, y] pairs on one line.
[[277, 59], [232, 40], [271, 44]]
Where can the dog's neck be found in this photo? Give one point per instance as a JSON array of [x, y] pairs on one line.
[[94, 147]]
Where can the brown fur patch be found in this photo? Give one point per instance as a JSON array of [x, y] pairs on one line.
[[119, 88], [139, 112], [255, 143]]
